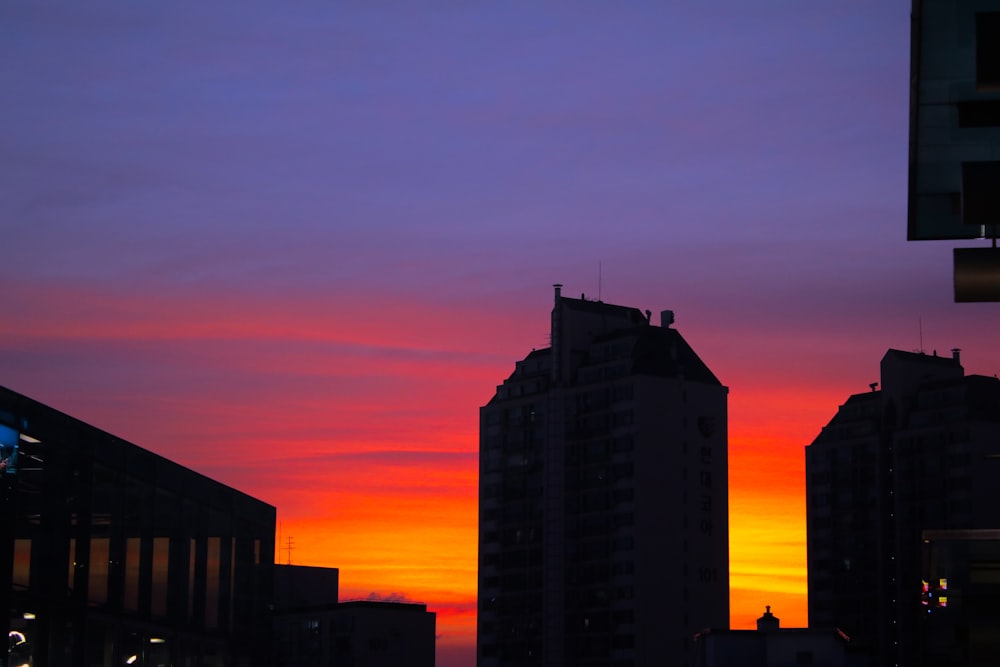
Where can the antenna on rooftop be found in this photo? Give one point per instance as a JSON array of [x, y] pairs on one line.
[[289, 545], [920, 327], [599, 276]]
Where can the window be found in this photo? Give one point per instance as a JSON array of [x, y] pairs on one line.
[[623, 544], [22, 563], [161, 560], [130, 599], [212, 588], [97, 589], [980, 206], [622, 443], [988, 50]]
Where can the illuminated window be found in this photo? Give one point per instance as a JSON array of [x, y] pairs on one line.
[[212, 588], [72, 562], [232, 581], [97, 589], [158, 584], [192, 564], [943, 601], [21, 575], [130, 598], [943, 583]]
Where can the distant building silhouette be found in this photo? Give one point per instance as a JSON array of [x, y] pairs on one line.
[[312, 627], [770, 645], [920, 453], [113, 555], [603, 503]]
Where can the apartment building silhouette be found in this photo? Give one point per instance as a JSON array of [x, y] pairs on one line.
[[918, 455], [603, 514]]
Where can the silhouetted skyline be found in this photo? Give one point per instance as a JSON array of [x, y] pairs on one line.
[[294, 247]]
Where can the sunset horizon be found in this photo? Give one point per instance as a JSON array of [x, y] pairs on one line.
[[296, 248], [400, 522]]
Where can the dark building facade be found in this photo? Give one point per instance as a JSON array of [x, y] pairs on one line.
[[113, 555], [603, 513], [919, 453], [954, 119], [961, 582], [955, 135]]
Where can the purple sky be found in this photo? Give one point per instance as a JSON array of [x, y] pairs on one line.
[[429, 152], [201, 204], [743, 163]]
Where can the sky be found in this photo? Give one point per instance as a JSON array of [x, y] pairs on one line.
[[296, 245]]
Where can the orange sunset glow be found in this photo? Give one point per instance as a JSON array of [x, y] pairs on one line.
[[360, 423]]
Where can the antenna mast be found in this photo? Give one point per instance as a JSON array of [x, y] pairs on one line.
[[599, 276]]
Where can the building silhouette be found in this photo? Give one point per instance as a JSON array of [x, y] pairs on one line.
[[113, 555], [312, 627], [603, 503], [771, 645], [919, 452]]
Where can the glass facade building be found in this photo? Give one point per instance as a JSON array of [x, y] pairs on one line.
[[113, 555]]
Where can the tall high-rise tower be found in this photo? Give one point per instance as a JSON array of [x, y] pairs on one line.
[[918, 455], [603, 498]]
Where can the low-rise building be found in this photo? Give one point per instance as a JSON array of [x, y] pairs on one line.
[[770, 645], [311, 627]]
